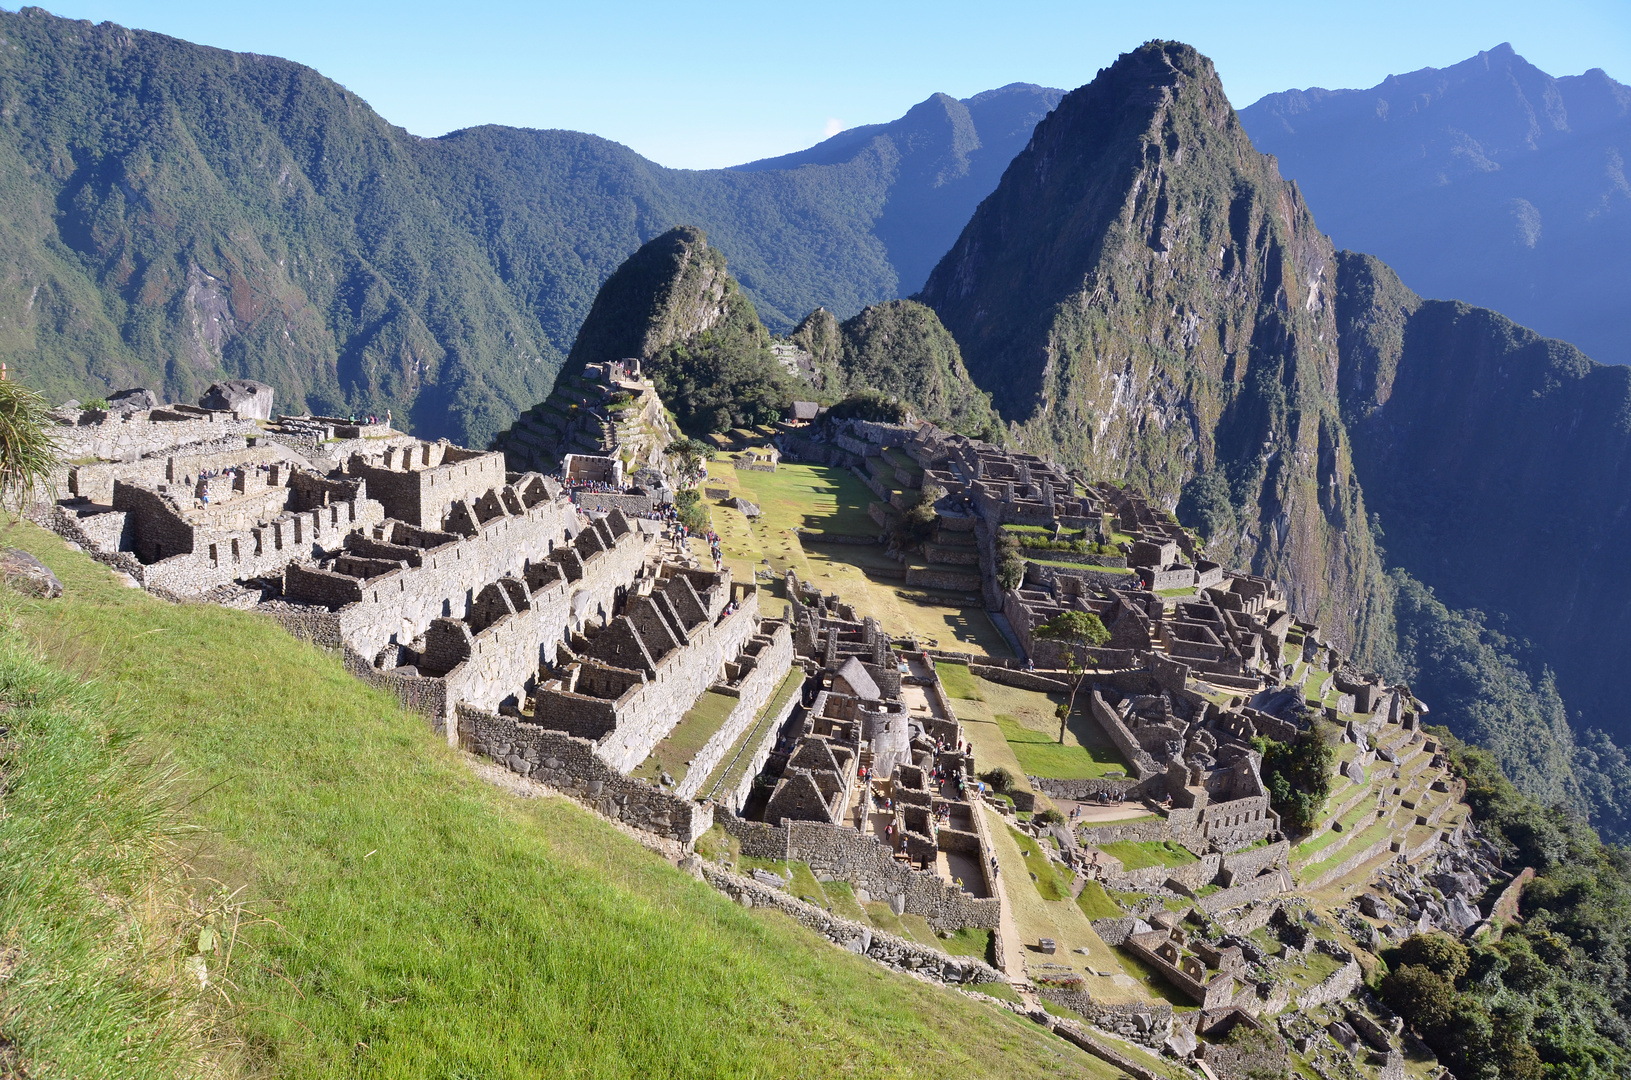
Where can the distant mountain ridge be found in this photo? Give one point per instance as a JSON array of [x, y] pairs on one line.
[[951, 155], [175, 214], [1488, 181]]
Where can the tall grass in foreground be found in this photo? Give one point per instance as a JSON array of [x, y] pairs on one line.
[[105, 956], [428, 924]]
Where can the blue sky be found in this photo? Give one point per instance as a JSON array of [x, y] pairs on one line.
[[699, 86]]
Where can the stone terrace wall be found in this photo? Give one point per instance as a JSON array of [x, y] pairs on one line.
[[858, 938], [1336, 986], [573, 766], [647, 714], [400, 604], [1259, 888], [1244, 865], [869, 865], [137, 435], [770, 667]]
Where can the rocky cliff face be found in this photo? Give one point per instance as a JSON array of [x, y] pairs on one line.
[[1499, 463], [1145, 296]]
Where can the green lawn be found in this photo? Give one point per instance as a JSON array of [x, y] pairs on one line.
[[1049, 878], [1096, 903], [1041, 754], [815, 498], [1137, 854], [699, 724], [959, 682], [1359, 843], [408, 919]]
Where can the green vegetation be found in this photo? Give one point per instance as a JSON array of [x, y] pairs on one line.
[[408, 918], [917, 525], [958, 681], [1052, 881], [1040, 754], [1551, 996], [673, 304], [1298, 776], [873, 405], [104, 940], [1010, 563], [815, 499], [1096, 903], [898, 348], [1138, 854], [1478, 685], [28, 450], [692, 511], [1081, 629], [359, 268]]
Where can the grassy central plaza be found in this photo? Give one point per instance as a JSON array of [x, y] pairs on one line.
[[799, 506]]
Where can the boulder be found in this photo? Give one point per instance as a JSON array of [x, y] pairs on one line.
[[765, 877], [28, 575], [250, 400], [1455, 883], [135, 399], [1182, 1041]]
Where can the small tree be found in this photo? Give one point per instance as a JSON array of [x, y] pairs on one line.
[[916, 525], [691, 454], [28, 449], [1010, 563], [1073, 628]]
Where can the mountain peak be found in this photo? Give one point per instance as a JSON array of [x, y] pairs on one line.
[[1146, 297]]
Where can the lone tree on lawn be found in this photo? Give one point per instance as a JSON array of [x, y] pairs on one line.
[[1073, 628]]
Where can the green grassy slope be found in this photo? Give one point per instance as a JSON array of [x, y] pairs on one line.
[[423, 923]]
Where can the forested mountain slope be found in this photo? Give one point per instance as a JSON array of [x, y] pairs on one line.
[[1489, 181], [174, 214], [1144, 295]]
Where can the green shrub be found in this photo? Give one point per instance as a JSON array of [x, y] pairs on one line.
[[1000, 779]]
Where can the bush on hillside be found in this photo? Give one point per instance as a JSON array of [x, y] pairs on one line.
[[1298, 776], [873, 405]]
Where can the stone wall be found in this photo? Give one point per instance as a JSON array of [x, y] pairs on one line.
[[1087, 789], [770, 667], [573, 766], [934, 577], [856, 937], [1264, 887], [399, 605], [868, 865], [1336, 986], [422, 491], [1143, 765], [1247, 864], [137, 435], [872, 868]]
